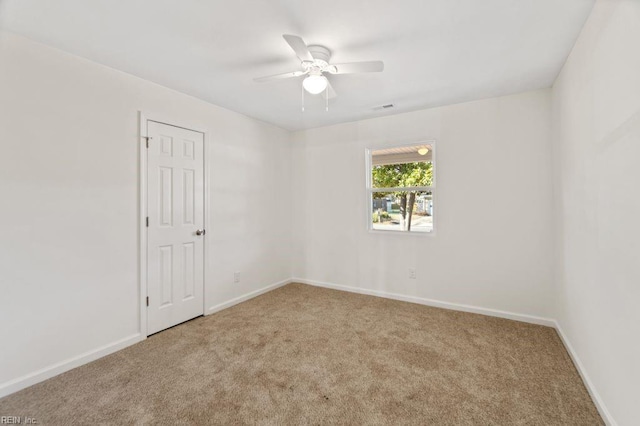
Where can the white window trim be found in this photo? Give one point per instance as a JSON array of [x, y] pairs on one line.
[[370, 190]]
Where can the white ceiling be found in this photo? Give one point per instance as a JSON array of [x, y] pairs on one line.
[[436, 52]]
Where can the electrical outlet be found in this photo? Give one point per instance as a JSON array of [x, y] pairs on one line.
[[236, 277], [412, 273]]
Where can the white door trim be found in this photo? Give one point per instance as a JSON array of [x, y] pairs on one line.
[[142, 207]]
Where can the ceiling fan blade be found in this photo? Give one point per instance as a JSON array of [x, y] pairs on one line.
[[355, 67], [279, 76], [330, 92], [299, 46]]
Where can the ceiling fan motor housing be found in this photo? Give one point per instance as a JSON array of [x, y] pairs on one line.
[[321, 54]]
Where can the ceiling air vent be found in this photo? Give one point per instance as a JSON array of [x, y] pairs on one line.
[[386, 106]]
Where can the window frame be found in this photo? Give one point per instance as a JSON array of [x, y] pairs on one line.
[[370, 190]]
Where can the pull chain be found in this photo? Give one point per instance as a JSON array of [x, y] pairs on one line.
[[302, 87], [326, 97]]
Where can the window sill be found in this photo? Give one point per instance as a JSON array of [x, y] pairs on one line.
[[416, 234]]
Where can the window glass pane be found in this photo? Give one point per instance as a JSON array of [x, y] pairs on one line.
[[402, 211], [402, 167]]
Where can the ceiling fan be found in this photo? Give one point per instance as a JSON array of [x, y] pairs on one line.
[[314, 61]]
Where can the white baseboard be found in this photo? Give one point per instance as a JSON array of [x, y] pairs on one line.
[[595, 396], [53, 370], [245, 297], [431, 302]]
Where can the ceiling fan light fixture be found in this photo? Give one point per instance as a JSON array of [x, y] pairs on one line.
[[315, 84]]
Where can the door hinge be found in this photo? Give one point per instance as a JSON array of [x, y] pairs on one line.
[[147, 221], [147, 140], [147, 300]]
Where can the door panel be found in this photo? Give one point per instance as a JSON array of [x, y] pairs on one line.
[[175, 206]]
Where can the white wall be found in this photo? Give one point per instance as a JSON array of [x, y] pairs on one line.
[[493, 242], [596, 116], [69, 203]]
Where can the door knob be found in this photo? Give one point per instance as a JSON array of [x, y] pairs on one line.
[[200, 232]]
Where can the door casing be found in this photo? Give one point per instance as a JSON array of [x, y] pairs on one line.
[[143, 118]]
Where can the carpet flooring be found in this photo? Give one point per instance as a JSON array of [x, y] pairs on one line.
[[307, 355]]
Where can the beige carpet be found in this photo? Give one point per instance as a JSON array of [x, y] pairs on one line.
[[305, 355]]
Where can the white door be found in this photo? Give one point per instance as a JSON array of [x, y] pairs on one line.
[[175, 237]]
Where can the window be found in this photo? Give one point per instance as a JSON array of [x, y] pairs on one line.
[[400, 184]]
